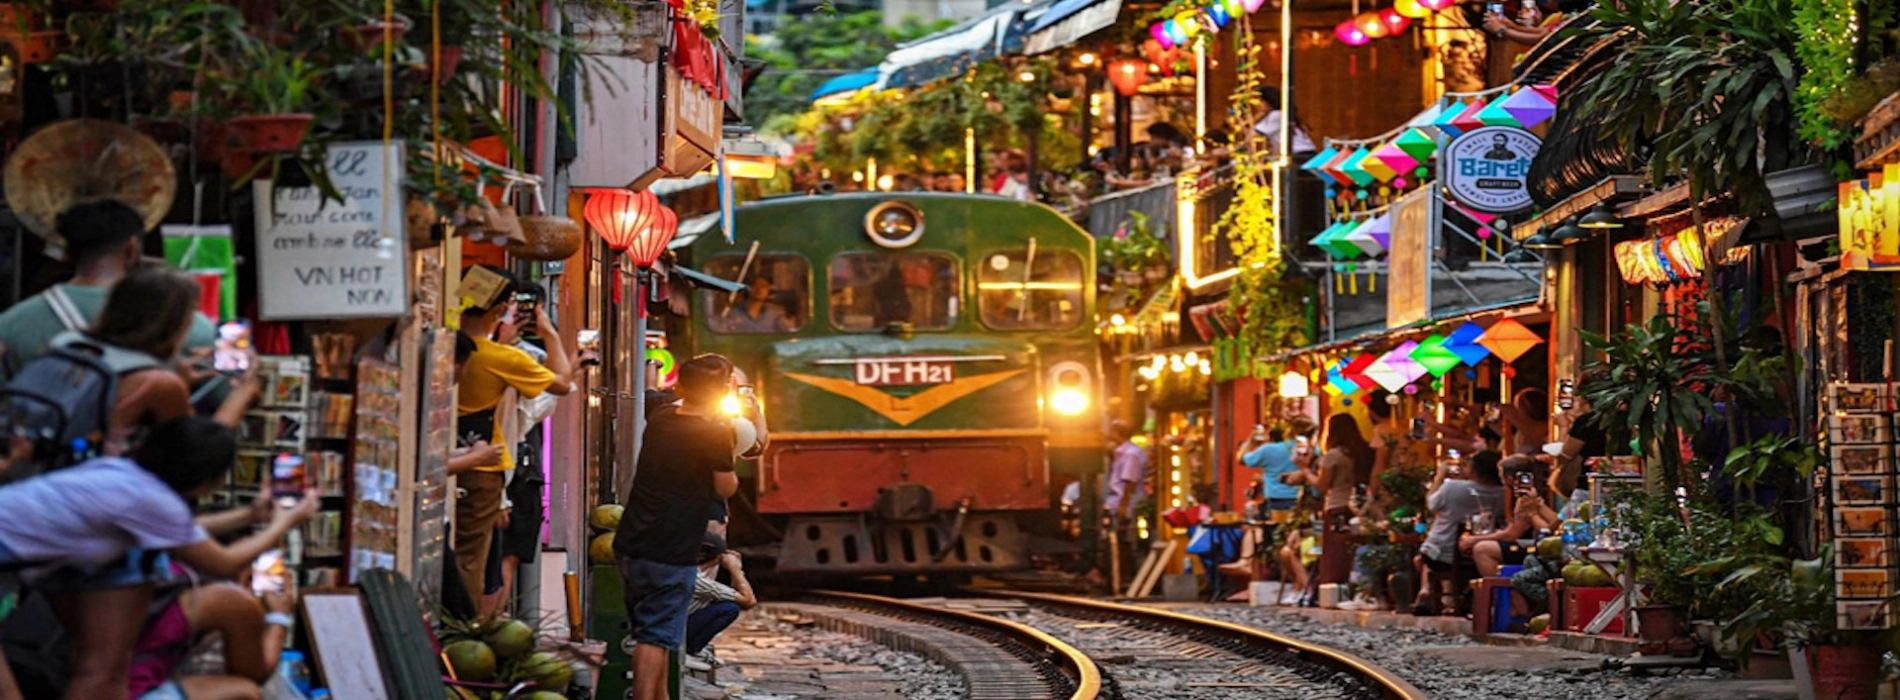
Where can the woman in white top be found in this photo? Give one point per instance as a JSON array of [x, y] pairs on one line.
[[1301, 142]]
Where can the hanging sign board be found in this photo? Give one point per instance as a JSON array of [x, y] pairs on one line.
[[320, 259], [1409, 294], [694, 119], [1870, 221], [1486, 168]]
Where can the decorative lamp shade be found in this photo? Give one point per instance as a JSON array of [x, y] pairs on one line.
[[1369, 24], [1251, 5], [1340, 243], [1318, 161], [1400, 358], [1189, 23], [1395, 157], [1463, 342], [1377, 232], [1293, 385], [1417, 144], [1336, 167], [1354, 170], [1235, 8], [1467, 120], [1394, 21], [1528, 107], [1427, 120], [1324, 241], [1217, 13], [1509, 339], [1432, 355], [1387, 377], [1494, 114], [1446, 121], [1160, 34], [1128, 75], [620, 216], [1437, 5], [1377, 168], [1350, 34], [1411, 8], [1355, 370]]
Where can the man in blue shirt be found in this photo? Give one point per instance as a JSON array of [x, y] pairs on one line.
[[1274, 458]]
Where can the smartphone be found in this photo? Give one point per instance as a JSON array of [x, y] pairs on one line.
[[1525, 481], [1418, 428], [525, 304], [1302, 445], [268, 573], [1566, 394], [289, 479], [231, 354], [1493, 412], [1496, 8], [588, 339], [1456, 463]]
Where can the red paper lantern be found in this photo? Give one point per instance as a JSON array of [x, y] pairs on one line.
[[1349, 34], [1395, 23], [1128, 75], [635, 223], [1437, 5]]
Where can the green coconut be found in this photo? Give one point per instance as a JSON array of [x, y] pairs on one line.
[[511, 639], [1540, 623], [602, 550], [549, 671], [545, 695], [606, 517], [1550, 549], [472, 660]]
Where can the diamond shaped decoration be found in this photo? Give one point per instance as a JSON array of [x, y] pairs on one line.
[[1400, 358], [1529, 107], [1494, 114], [1446, 121], [1353, 168], [1417, 144], [1337, 384], [1355, 371], [1395, 157], [1386, 376], [1361, 238], [1463, 342], [1340, 245], [1433, 356], [1377, 167], [1335, 167], [1317, 163], [1509, 339], [1428, 119], [1467, 120]]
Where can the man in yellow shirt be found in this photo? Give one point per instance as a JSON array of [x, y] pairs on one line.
[[491, 371]]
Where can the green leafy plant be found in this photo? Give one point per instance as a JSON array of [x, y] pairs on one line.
[[1792, 603], [1706, 87], [1749, 464], [1837, 86], [1271, 305], [267, 79]]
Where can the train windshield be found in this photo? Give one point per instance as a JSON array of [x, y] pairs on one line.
[[871, 291], [1016, 293], [777, 294]]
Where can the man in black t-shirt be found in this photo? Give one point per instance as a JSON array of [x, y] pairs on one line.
[[685, 461]]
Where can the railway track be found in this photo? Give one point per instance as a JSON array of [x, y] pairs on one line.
[[1021, 646]]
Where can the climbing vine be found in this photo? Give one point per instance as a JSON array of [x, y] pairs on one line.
[[1270, 306], [1839, 43]]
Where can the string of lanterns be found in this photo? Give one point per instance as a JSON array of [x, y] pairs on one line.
[[1399, 369], [1402, 159], [1209, 18], [1391, 21]]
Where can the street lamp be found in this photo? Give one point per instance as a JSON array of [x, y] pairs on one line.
[[1540, 240], [1570, 232], [1601, 216]]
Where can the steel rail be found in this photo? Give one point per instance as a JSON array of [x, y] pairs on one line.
[[1388, 685], [1034, 647]]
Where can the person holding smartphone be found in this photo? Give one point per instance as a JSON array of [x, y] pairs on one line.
[[492, 369], [1531, 512], [254, 626]]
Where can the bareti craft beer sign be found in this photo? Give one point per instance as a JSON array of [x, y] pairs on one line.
[[1486, 168]]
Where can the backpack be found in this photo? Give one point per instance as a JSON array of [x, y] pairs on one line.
[[62, 401]]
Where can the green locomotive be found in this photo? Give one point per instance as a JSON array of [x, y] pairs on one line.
[[927, 361]]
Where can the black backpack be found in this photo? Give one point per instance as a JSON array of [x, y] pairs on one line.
[[62, 401]]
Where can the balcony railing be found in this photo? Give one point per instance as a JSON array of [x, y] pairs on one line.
[[1108, 213]]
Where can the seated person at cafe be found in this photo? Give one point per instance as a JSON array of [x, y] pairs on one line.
[[1530, 513], [1459, 495]]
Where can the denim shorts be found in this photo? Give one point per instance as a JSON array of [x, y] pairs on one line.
[[657, 598], [137, 567]]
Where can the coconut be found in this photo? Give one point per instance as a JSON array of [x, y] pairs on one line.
[[1540, 623], [545, 695], [549, 672], [606, 517], [602, 550], [511, 639], [1550, 549], [472, 660]]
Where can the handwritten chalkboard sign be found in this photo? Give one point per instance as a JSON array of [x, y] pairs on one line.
[[320, 259]]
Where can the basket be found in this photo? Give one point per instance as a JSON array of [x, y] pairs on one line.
[[545, 238]]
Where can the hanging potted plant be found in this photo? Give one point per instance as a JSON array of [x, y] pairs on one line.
[[371, 33], [270, 92]]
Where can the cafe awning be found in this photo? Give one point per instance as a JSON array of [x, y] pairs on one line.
[[1069, 21], [845, 84]]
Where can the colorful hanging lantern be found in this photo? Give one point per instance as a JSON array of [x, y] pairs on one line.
[[1178, 33], [1432, 355], [1494, 114], [1160, 34], [1354, 170], [1437, 5], [1337, 243], [1337, 384], [1252, 5], [1400, 358], [1427, 120], [1411, 8], [1395, 157], [1395, 23], [635, 223], [1417, 144], [1234, 8], [1467, 119], [1509, 339], [1378, 233], [1386, 376], [1190, 24], [1128, 75], [1336, 167], [1350, 34], [1217, 15], [1355, 371], [1445, 122], [1528, 107], [1377, 168], [1369, 24], [1318, 161], [1463, 342]]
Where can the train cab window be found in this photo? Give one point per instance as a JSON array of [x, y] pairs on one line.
[[872, 291], [776, 298], [1015, 293]]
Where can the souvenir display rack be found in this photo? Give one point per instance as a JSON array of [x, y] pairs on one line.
[[1858, 486]]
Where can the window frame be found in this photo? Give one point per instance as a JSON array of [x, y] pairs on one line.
[[956, 263], [806, 312], [982, 317]]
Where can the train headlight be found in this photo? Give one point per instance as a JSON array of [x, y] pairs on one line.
[[894, 225], [730, 405], [1069, 388]]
